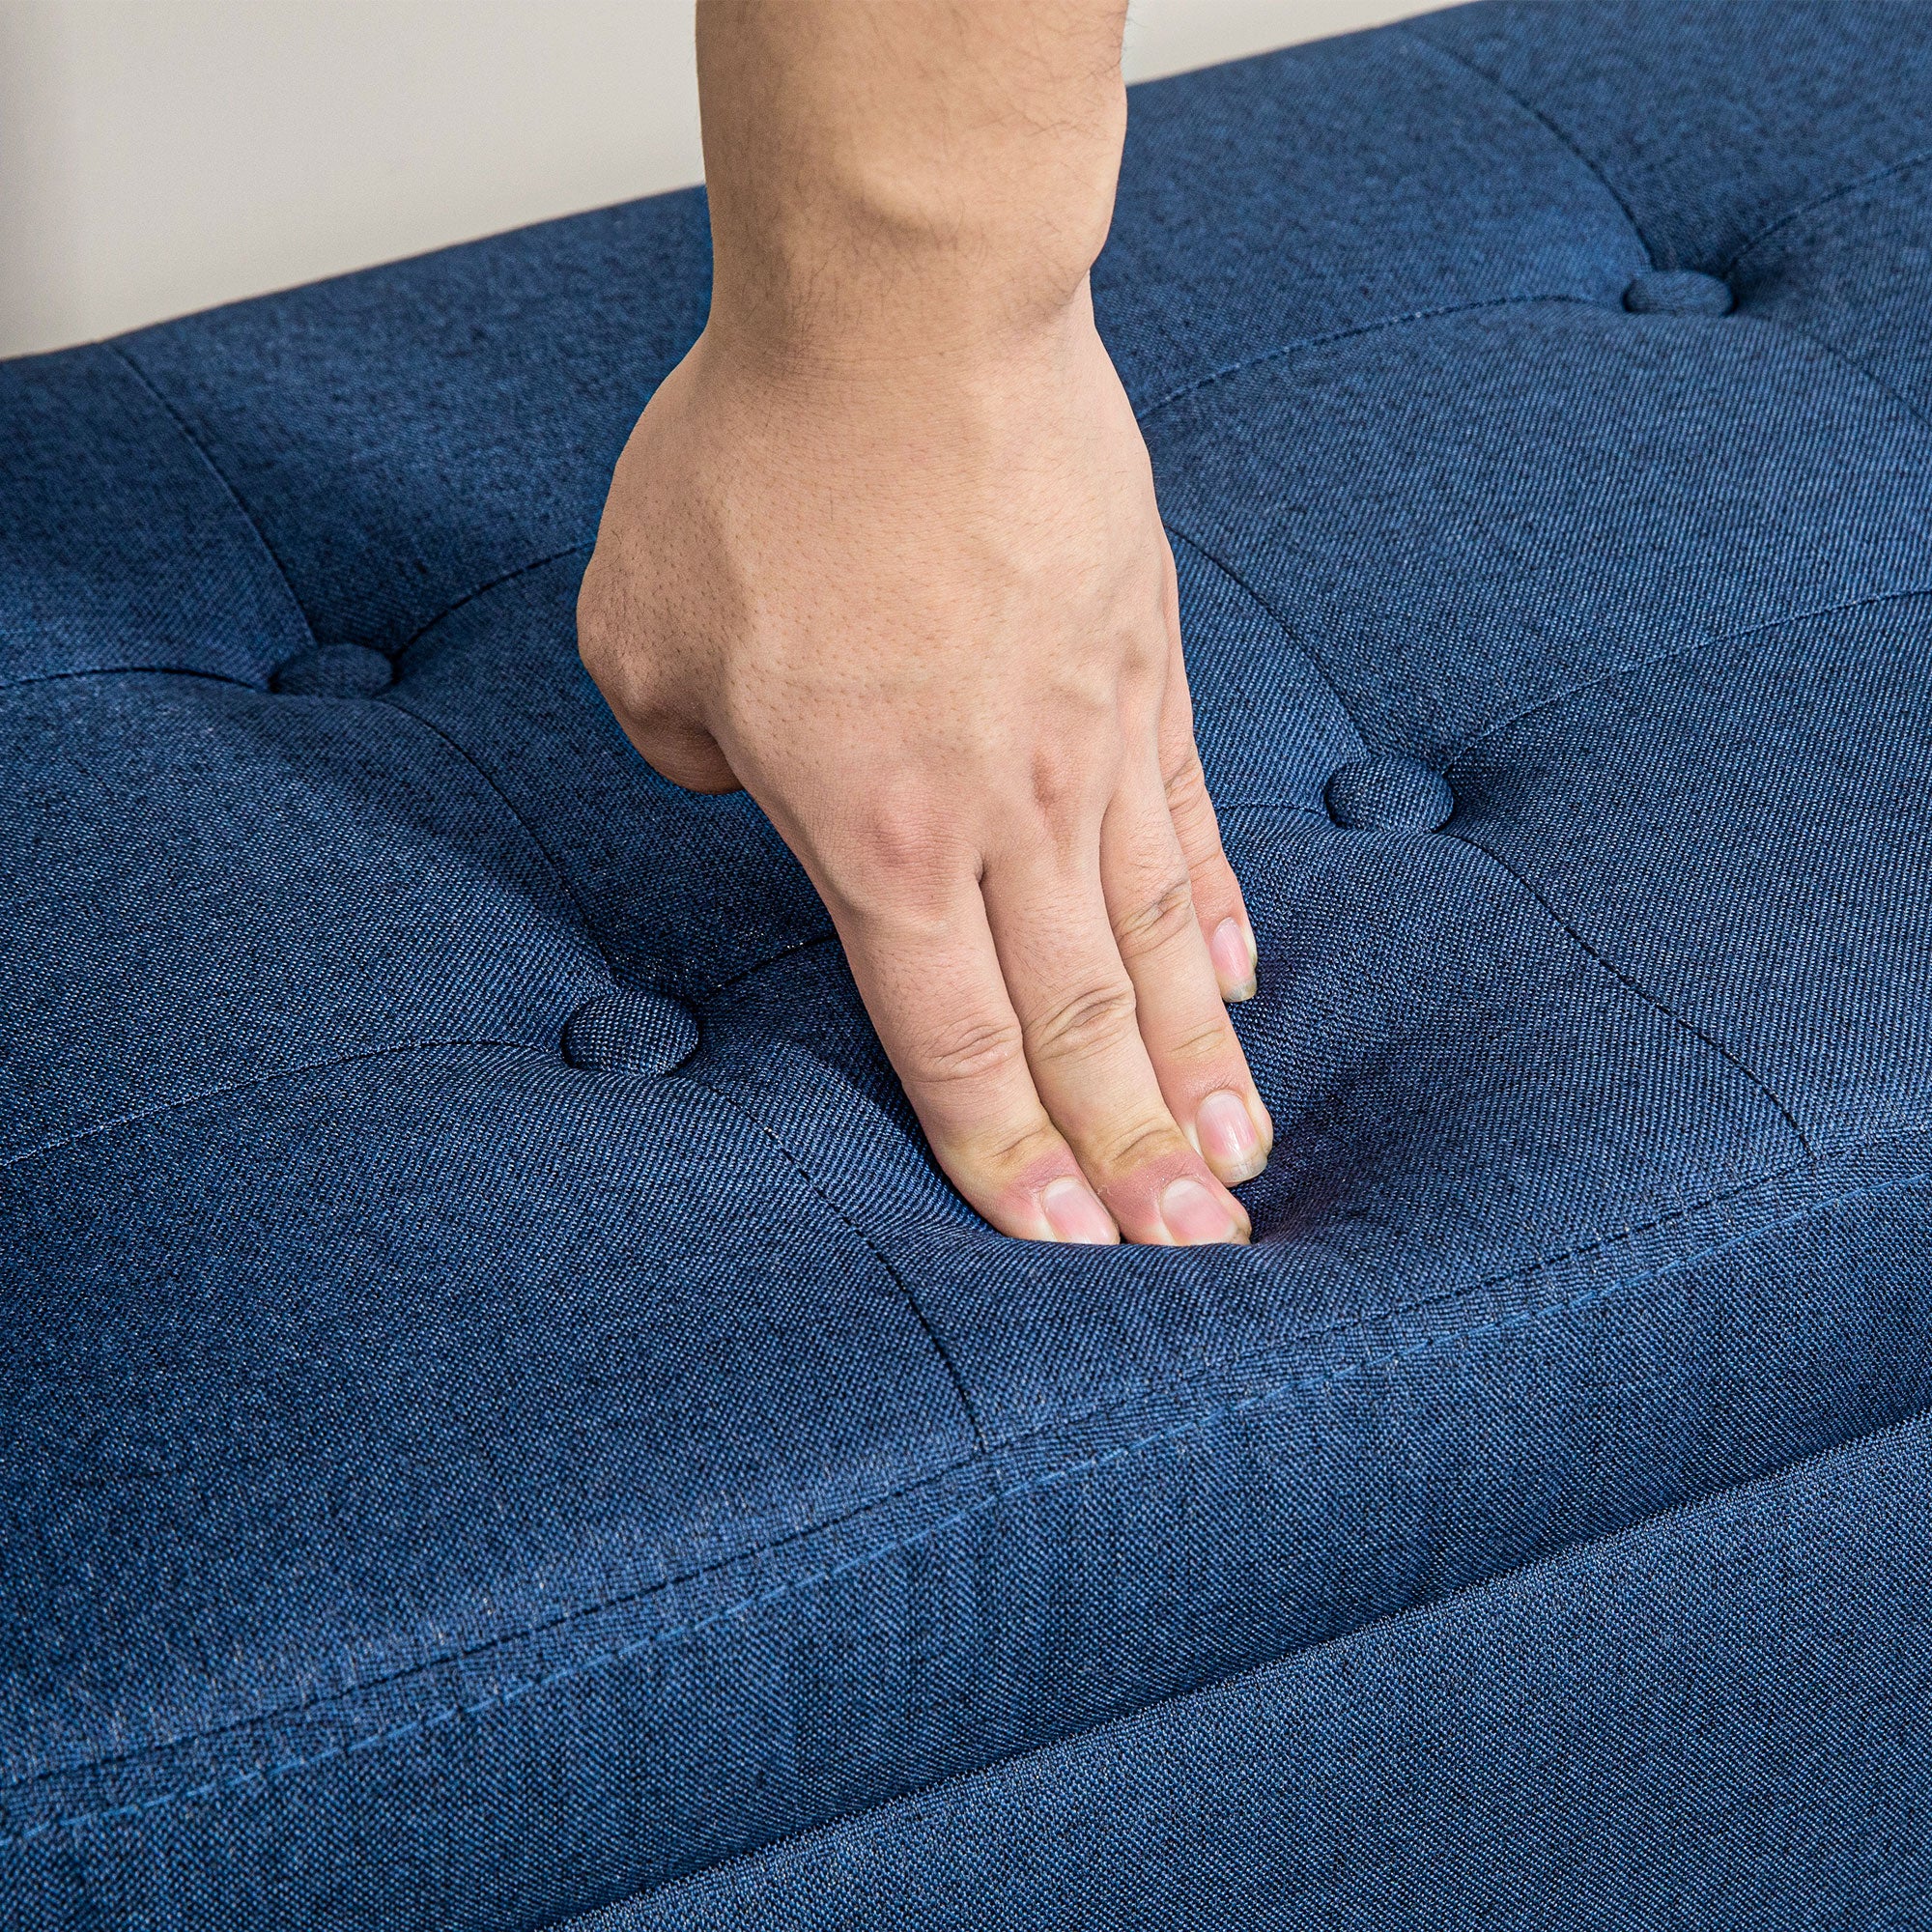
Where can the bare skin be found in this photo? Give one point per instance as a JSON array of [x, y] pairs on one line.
[[884, 551]]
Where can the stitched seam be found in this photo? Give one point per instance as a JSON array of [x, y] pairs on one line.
[[1275, 616], [269, 549], [893, 1274], [1312, 1383], [215, 470], [246, 1085], [125, 670], [1182, 1379], [1710, 638], [1542, 121], [779, 1849], [1912, 160], [1270, 805], [725, 985], [1194, 1371], [549, 857], [1235, 368], [482, 589], [1839, 354], [222, 677], [1637, 987]]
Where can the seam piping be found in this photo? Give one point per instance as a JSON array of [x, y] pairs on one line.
[[516, 818], [1181, 1378], [125, 670], [1697, 644], [787, 1846], [40, 1148], [1839, 357], [1912, 160], [422, 630], [1274, 617], [1302, 342]]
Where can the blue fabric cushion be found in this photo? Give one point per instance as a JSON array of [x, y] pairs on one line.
[[1717, 1719], [501, 1413]]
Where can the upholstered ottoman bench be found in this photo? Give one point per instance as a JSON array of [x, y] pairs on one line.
[[502, 1417]]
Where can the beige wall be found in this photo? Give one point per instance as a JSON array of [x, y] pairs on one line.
[[158, 156]]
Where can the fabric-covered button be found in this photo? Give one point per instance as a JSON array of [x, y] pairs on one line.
[[1388, 795], [630, 1033], [1679, 292], [335, 670]]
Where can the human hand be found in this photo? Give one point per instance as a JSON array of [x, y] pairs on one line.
[[884, 550], [925, 614]]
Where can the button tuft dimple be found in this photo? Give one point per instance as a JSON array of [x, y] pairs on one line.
[[1679, 292], [335, 670], [630, 1033], [1388, 795]]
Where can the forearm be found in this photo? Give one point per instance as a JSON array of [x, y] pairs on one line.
[[895, 180]]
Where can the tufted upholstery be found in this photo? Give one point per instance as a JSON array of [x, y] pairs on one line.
[[498, 1411]]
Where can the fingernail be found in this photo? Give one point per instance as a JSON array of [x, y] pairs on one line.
[[1194, 1216], [1233, 951], [1074, 1212], [1228, 1142]]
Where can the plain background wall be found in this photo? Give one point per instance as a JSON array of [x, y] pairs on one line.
[[159, 156]]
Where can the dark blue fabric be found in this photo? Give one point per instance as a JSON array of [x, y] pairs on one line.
[[121, 546], [1387, 795], [500, 1413], [1712, 129], [1679, 292], [1718, 1719], [404, 437]]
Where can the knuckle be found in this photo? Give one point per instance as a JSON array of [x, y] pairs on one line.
[[1007, 1154], [1192, 810], [899, 864], [597, 620], [1201, 1045], [1158, 920], [892, 863], [1189, 806], [1136, 1144], [1144, 662], [1184, 777], [1066, 778], [1091, 1020], [596, 643], [973, 1048]]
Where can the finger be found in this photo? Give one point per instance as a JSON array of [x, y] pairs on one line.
[[1190, 1042], [930, 980], [1218, 904], [1076, 1007]]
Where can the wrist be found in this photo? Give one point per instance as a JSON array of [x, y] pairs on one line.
[[915, 337], [893, 182], [835, 295]]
